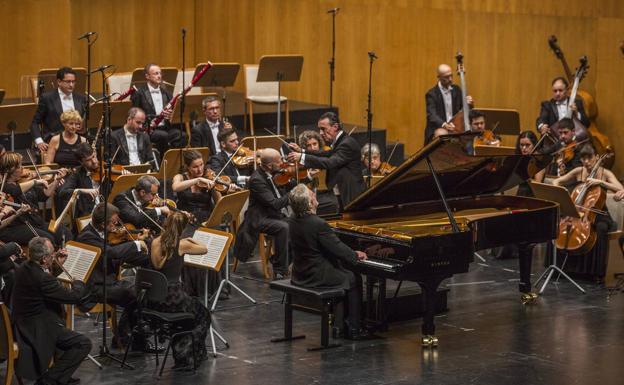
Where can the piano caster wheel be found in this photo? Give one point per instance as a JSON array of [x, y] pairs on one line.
[[528, 298], [430, 341]]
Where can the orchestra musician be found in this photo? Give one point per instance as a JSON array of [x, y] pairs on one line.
[[373, 155], [167, 256], [443, 101], [206, 133], [135, 205], [311, 141], [52, 104], [228, 140], [556, 108], [152, 98], [320, 259], [342, 160], [62, 146], [266, 212], [134, 144], [195, 193], [37, 314], [567, 139], [594, 263], [8, 253]]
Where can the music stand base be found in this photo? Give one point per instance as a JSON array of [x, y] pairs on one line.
[[105, 353], [479, 256], [231, 285], [550, 270], [213, 332]]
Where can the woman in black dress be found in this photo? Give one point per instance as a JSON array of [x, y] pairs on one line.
[[167, 256], [63, 146]]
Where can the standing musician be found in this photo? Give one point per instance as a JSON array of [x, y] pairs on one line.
[[134, 144], [152, 98], [443, 101], [86, 180], [311, 141], [555, 109], [37, 313], [342, 160], [267, 210], [321, 260], [228, 140], [62, 146], [20, 229], [52, 104], [141, 206], [206, 134], [594, 263]]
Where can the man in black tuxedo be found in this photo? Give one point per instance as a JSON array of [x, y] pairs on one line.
[[555, 109], [266, 212], [7, 267], [132, 146], [320, 259], [144, 192], [443, 101], [342, 161], [38, 299], [228, 141], [47, 120], [206, 133], [152, 98]]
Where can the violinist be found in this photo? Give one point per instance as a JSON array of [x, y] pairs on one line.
[[378, 168], [311, 141], [267, 209], [228, 140], [477, 124], [9, 252], [135, 205], [206, 133], [555, 109], [62, 146], [195, 193], [134, 145], [594, 263], [567, 152]]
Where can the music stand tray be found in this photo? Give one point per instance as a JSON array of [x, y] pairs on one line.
[[257, 142], [16, 118], [508, 121], [221, 75], [192, 108], [567, 208]]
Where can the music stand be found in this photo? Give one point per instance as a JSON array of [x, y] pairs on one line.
[[226, 209], [507, 122], [17, 118], [567, 208], [257, 142], [48, 75], [220, 75], [119, 113], [279, 68], [192, 108]]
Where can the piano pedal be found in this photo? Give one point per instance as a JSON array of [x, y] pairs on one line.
[[528, 298], [430, 341]]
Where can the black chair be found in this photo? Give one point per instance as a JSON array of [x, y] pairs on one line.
[[151, 287]]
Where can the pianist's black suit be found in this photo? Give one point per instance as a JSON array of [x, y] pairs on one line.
[[436, 112], [49, 112], [320, 259], [37, 315], [343, 165]]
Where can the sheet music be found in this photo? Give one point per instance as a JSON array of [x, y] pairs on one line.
[[78, 263], [215, 244]]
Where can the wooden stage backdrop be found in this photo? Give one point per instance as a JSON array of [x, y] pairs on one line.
[[507, 59]]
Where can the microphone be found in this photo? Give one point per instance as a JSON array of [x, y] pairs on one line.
[[333, 10], [101, 68], [86, 35], [371, 54]]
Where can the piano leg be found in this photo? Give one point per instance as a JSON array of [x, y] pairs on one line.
[[429, 289], [525, 260]]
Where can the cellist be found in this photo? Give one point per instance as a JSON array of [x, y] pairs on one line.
[[592, 264]]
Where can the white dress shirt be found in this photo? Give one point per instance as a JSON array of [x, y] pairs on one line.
[[133, 147], [214, 129], [157, 99], [448, 101]]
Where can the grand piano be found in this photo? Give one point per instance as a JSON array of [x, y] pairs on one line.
[[424, 221]]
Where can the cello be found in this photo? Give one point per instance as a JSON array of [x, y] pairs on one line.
[[601, 141], [577, 235]]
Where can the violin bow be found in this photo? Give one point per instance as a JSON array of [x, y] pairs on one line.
[[143, 212], [32, 160], [392, 152]]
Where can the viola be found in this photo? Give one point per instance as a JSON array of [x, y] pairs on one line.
[[287, 172], [223, 183], [244, 157], [487, 138], [384, 169], [124, 233]]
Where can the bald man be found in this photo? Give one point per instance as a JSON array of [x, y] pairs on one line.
[[268, 207], [443, 102]]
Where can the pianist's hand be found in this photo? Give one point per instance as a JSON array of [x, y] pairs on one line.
[[361, 255]]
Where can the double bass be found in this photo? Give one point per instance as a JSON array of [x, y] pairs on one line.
[[461, 120], [601, 141], [580, 131]]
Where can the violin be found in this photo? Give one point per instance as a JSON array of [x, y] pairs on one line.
[[117, 170], [487, 138], [124, 233], [287, 172], [244, 157], [566, 153], [384, 169], [160, 202], [223, 183], [46, 173]]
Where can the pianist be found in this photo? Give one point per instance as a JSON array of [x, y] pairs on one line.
[[321, 260]]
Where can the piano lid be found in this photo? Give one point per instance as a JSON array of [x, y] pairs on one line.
[[460, 174]]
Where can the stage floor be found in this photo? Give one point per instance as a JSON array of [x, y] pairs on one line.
[[487, 337]]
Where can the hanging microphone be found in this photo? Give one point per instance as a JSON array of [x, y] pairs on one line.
[[371, 54], [333, 10], [101, 68], [86, 35]]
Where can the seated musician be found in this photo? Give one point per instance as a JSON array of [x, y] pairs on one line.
[[265, 214], [152, 97], [195, 193], [555, 109], [206, 133], [9, 252], [311, 141], [85, 180], [342, 160], [46, 121], [239, 174], [141, 206], [37, 314], [594, 263], [374, 155], [477, 124], [62, 146], [321, 260], [21, 229], [132, 145], [566, 160]]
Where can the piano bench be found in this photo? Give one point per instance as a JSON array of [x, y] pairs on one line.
[[324, 298]]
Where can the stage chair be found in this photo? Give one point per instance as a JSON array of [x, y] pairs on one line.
[[8, 347], [119, 82], [260, 93]]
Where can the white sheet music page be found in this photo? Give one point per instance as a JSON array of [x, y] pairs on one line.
[[215, 243], [78, 263]]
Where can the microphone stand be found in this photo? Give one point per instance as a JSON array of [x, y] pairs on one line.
[[369, 116], [332, 62], [89, 44], [183, 97]]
